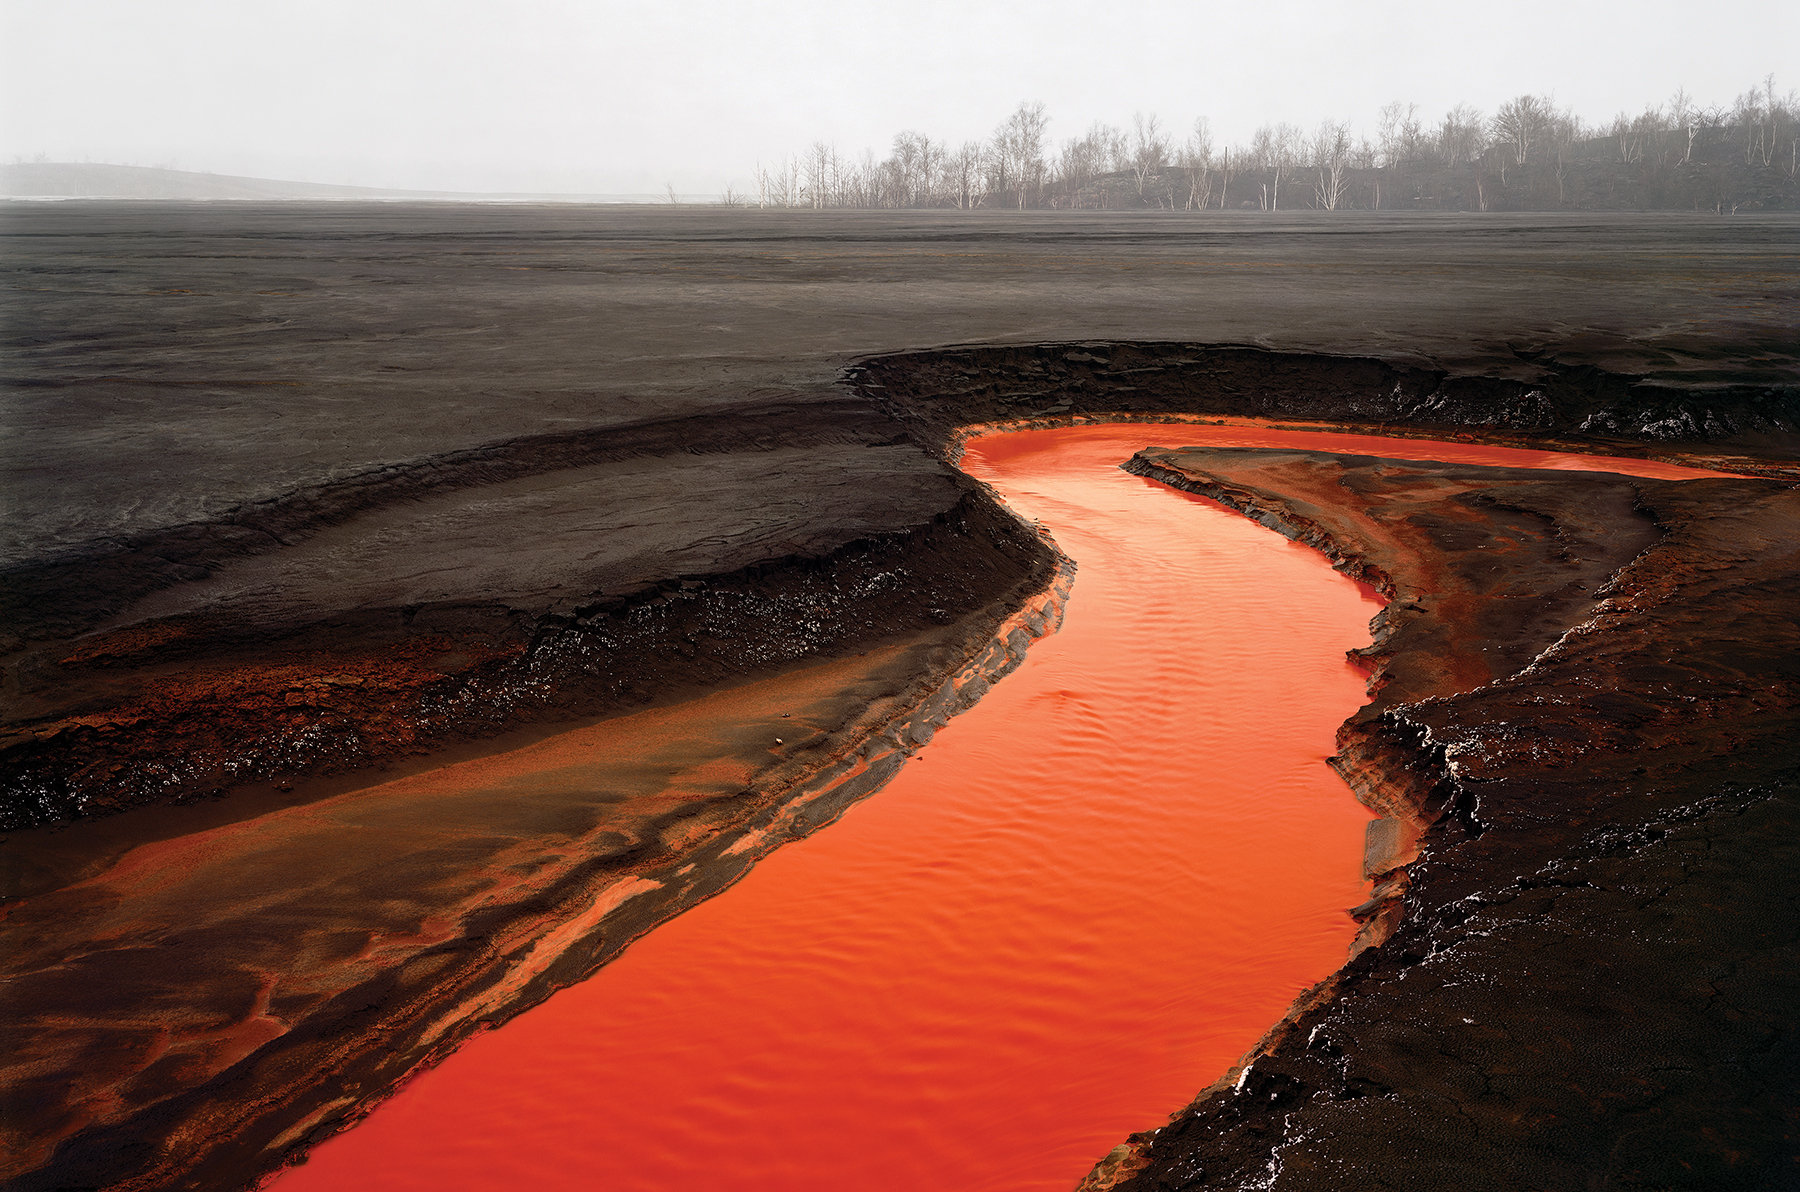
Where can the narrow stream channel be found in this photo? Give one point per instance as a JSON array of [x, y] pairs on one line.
[[1075, 908]]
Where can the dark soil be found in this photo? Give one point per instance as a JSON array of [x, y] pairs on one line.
[[304, 490]]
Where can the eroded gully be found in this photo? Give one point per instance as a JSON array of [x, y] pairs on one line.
[[1082, 902]]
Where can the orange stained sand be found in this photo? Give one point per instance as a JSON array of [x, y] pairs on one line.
[[1079, 905]]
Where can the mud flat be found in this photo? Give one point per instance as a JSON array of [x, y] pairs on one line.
[[302, 493]]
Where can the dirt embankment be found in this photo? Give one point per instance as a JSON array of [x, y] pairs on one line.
[[1589, 944], [934, 393], [297, 637]]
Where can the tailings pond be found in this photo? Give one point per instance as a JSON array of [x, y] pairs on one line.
[[1077, 906]]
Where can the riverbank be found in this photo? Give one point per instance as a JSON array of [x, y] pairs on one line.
[[1586, 941], [280, 974]]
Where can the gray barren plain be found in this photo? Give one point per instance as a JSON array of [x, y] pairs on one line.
[[305, 496]]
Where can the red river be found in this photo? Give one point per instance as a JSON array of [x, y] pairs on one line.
[[1078, 906]]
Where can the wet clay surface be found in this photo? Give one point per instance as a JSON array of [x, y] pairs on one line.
[[1592, 961], [209, 404]]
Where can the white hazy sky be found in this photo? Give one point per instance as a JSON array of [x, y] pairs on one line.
[[623, 95]]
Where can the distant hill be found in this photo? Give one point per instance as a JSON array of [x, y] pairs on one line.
[[87, 180]]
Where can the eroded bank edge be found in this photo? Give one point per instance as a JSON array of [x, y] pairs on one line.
[[936, 392], [573, 948], [249, 1119], [1399, 770], [306, 712]]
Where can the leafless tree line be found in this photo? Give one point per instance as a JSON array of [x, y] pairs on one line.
[[1282, 166]]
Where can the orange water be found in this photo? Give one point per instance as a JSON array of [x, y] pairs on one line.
[[1076, 907]]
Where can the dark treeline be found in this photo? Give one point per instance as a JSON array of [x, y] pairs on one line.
[[1528, 155]]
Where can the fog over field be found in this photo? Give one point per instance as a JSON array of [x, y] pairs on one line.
[[558, 95]]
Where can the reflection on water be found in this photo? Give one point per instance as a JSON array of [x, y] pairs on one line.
[[1078, 906]]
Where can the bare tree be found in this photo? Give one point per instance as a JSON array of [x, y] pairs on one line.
[[793, 189], [1564, 131], [860, 181], [1521, 123], [1399, 140], [821, 174], [1087, 157], [913, 170], [1150, 148], [779, 187], [1765, 120], [1684, 118], [1746, 115], [1118, 148], [1274, 149], [1258, 154], [1634, 133], [1398, 134], [1330, 153], [1018, 157], [1461, 138], [1197, 160], [963, 171]]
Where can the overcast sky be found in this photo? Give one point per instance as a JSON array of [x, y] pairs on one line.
[[625, 96]]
